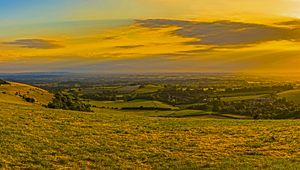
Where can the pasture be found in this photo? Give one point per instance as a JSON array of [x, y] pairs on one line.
[[148, 88], [38, 138], [34, 137], [239, 98], [132, 104], [11, 93], [291, 95]]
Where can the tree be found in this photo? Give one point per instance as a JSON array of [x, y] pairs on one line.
[[3, 82], [68, 102]]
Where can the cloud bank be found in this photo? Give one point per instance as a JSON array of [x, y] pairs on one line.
[[34, 43], [226, 33]]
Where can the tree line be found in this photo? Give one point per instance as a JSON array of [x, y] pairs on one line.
[[68, 102]]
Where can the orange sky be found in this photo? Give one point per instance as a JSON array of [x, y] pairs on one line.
[[152, 36]]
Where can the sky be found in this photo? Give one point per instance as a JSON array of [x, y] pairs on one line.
[[120, 36]]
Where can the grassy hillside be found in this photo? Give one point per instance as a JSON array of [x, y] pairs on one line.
[[132, 104], [12, 92], [201, 114], [148, 89], [36, 137], [291, 95], [238, 98]]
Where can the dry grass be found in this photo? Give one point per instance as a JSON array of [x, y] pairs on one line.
[[238, 98], [148, 89], [291, 95], [8, 94], [35, 137], [38, 138], [134, 104]]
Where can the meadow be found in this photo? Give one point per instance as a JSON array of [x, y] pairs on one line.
[[150, 88], [239, 98], [292, 95], [35, 137], [13, 93], [132, 104]]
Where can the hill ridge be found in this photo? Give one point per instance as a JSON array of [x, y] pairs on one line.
[[15, 92]]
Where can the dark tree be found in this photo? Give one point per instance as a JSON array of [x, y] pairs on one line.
[[3, 82], [68, 102]]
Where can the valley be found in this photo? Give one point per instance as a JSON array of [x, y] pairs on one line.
[[139, 133]]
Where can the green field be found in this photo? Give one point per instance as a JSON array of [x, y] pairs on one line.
[[148, 89], [238, 98], [182, 114], [33, 137], [193, 114], [291, 95], [244, 94], [134, 104], [8, 94]]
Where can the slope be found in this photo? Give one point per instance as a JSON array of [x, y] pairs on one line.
[[291, 95], [13, 92]]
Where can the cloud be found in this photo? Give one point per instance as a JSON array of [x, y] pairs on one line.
[[129, 46], [224, 33], [294, 23], [34, 43], [110, 38]]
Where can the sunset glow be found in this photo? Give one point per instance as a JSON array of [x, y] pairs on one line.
[[150, 36]]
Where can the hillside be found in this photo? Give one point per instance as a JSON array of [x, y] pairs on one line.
[[13, 92], [135, 104], [34, 137], [291, 95]]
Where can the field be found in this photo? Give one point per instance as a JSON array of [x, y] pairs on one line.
[[201, 114], [196, 114], [35, 137], [148, 89], [132, 104], [8, 94], [291, 95], [238, 98]]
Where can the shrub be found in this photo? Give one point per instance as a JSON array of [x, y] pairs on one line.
[[30, 100], [68, 102], [3, 82]]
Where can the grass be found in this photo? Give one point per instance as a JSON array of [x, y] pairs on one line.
[[149, 89], [36, 137], [199, 114], [238, 98], [33, 137], [291, 95], [134, 104], [8, 94], [188, 113], [240, 94]]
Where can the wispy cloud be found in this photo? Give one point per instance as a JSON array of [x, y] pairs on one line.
[[224, 33], [35, 43], [129, 46], [160, 46], [293, 23]]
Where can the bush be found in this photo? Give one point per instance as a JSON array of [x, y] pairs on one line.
[[3, 82], [30, 100], [68, 102], [27, 99]]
